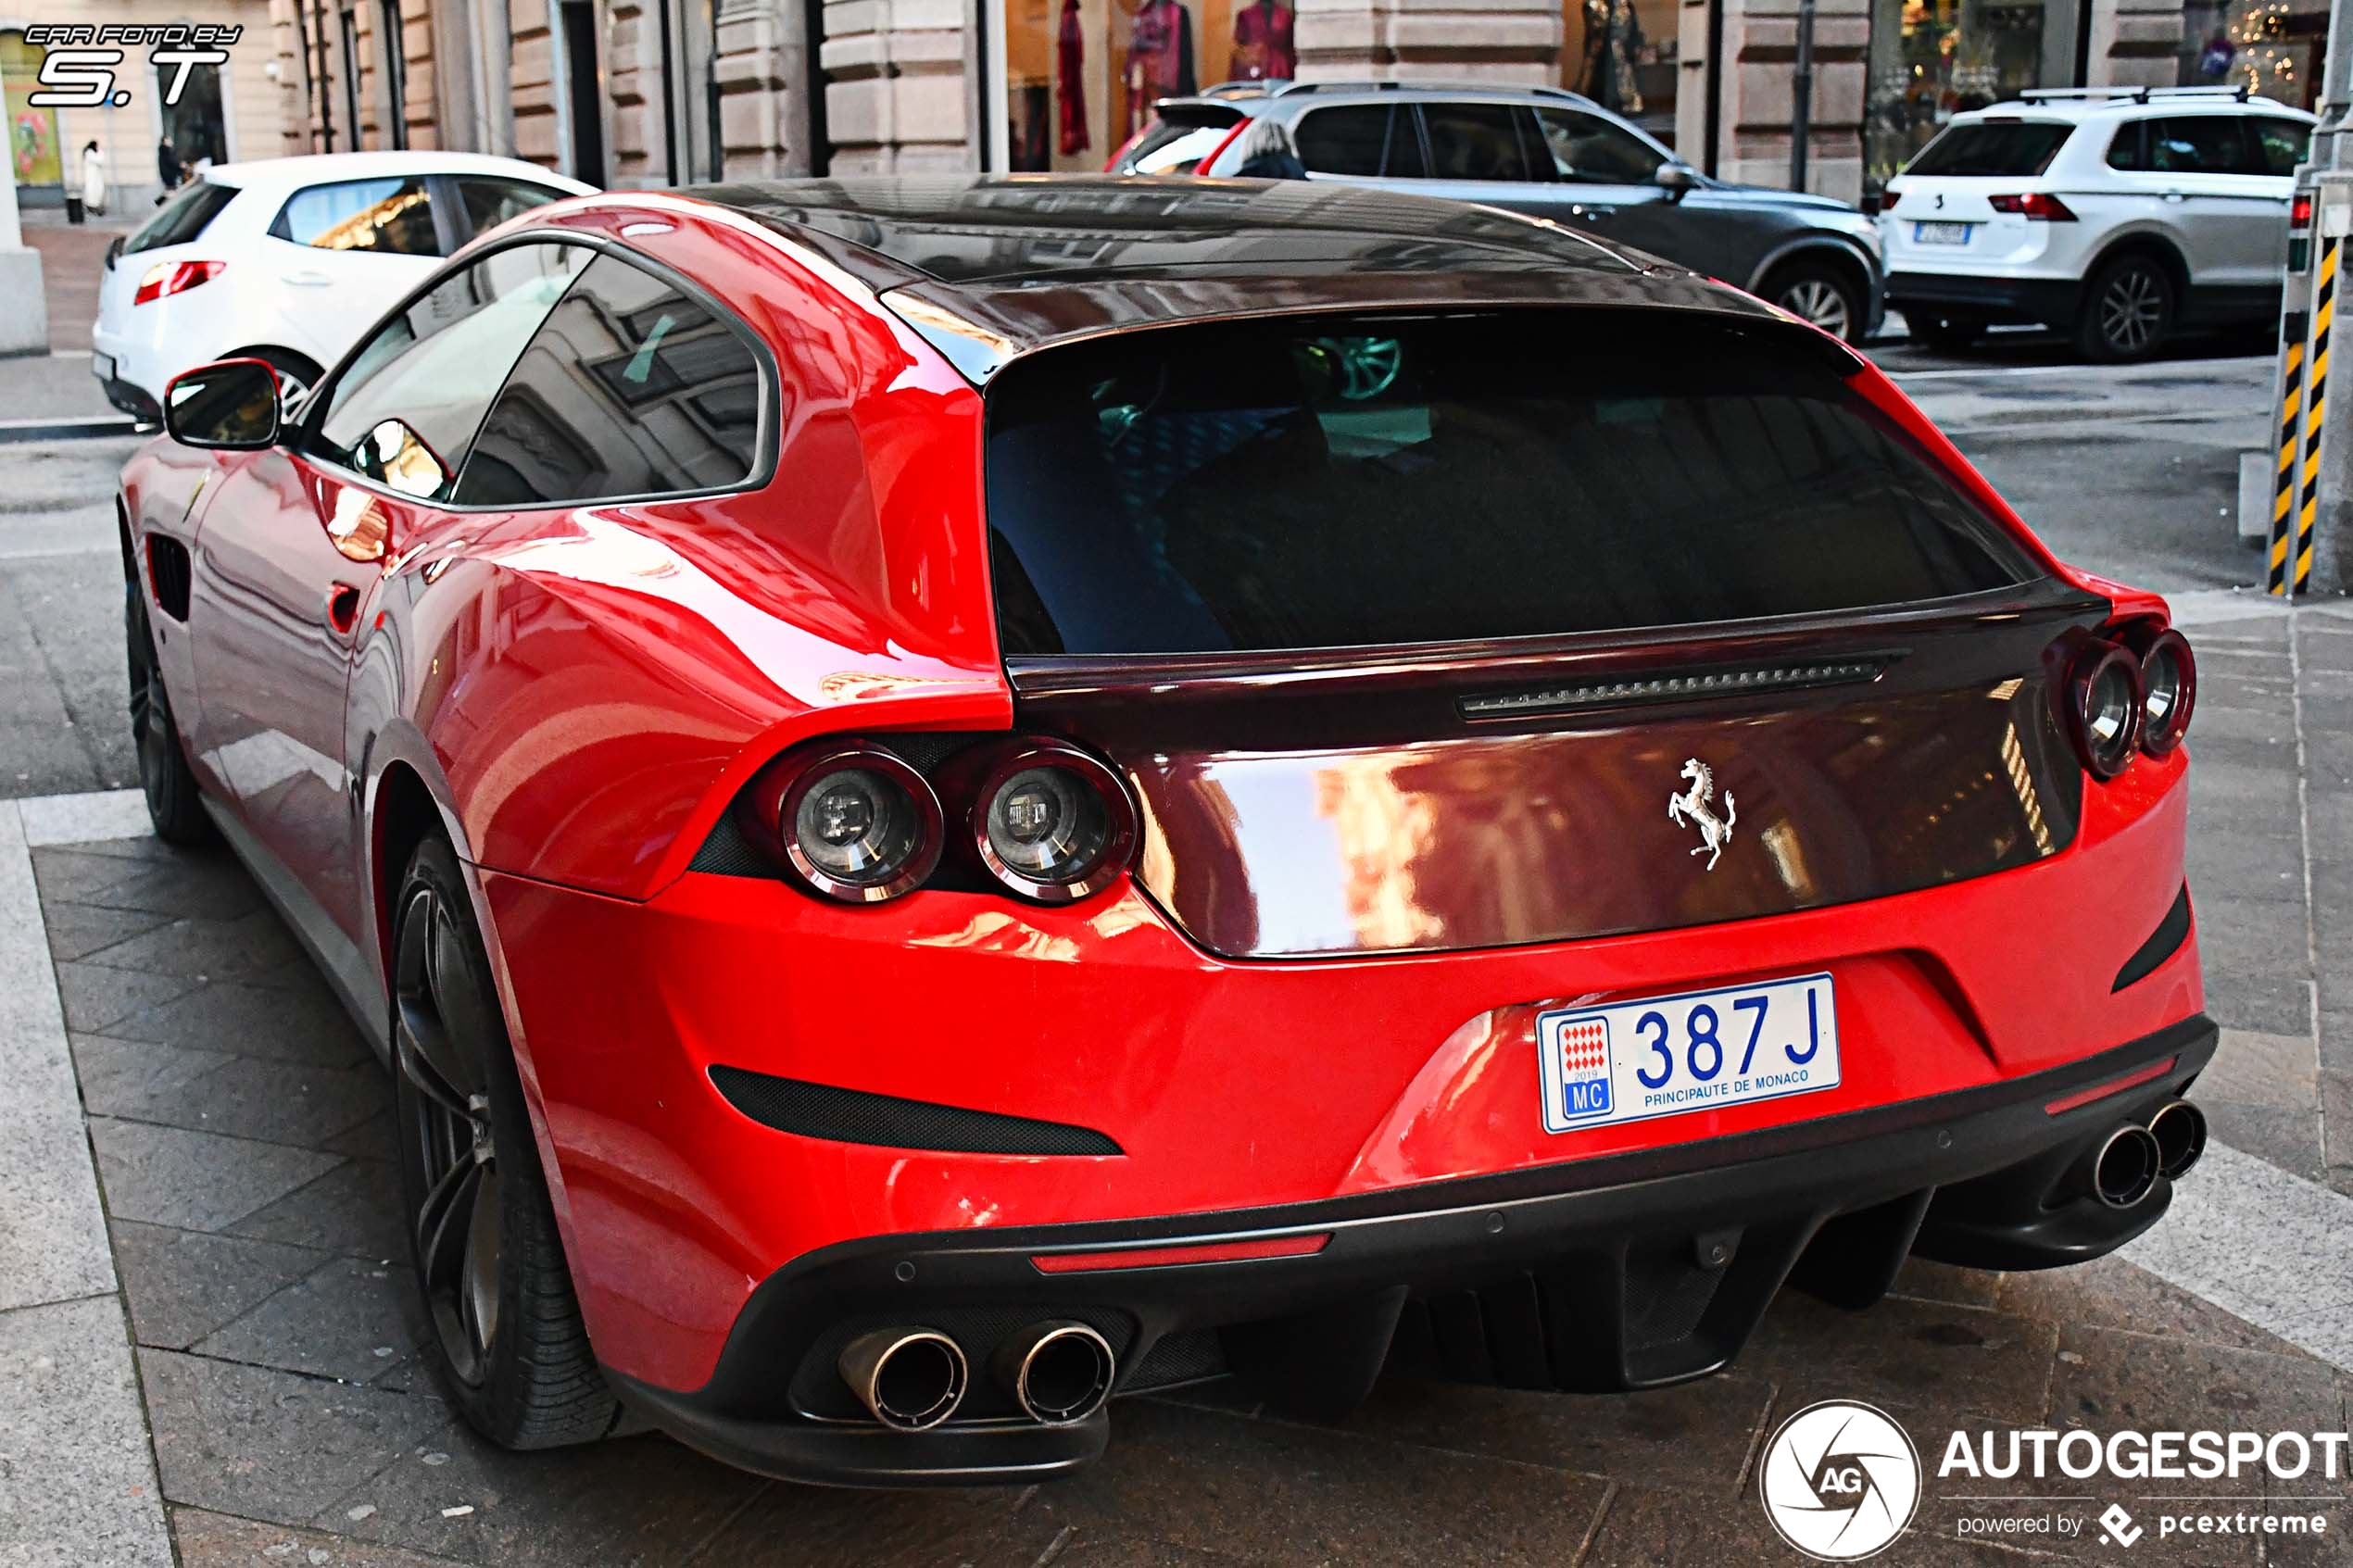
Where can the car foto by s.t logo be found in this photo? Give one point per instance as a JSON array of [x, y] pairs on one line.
[[78, 71], [1840, 1481]]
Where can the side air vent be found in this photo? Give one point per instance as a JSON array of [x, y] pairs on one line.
[[819, 1110], [168, 571], [1636, 689], [2163, 943]]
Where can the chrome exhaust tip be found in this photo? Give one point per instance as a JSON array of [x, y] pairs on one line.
[[1060, 1373], [2125, 1168], [909, 1379], [2179, 1128]]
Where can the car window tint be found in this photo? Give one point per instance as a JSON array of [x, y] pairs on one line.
[[2206, 143], [389, 217], [1474, 142], [183, 218], [1592, 151], [437, 364], [2282, 144], [2129, 150], [629, 388], [1289, 483], [490, 201], [1993, 147], [1360, 139]]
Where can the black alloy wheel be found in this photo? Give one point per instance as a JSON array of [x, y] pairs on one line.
[[165, 778], [490, 1265], [2128, 311]]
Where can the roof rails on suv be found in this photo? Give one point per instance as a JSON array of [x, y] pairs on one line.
[[1539, 91], [2136, 95]]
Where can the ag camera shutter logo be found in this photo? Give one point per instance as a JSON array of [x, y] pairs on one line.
[[1840, 1480]]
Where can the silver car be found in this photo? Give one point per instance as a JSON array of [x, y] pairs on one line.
[[1548, 153]]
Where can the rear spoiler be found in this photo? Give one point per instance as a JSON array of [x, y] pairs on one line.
[[1197, 111]]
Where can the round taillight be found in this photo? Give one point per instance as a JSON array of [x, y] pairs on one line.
[[2103, 709], [856, 823], [2169, 678], [1051, 823]]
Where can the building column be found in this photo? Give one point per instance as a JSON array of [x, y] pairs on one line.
[[897, 93], [2134, 43], [1512, 42], [765, 65], [1759, 93]]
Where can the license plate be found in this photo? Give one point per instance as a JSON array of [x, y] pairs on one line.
[[102, 366], [1699, 1050], [1941, 234]]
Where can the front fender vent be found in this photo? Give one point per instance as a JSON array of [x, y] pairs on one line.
[[167, 574], [819, 1110]]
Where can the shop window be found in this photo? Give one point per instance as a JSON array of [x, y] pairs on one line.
[[32, 134], [1081, 76], [2271, 47], [1932, 59], [1621, 54]]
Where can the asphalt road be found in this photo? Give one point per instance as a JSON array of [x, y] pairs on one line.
[[2132, 472]]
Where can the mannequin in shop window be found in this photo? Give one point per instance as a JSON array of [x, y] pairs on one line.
[[1070, 73], [1613, 44], [1159, 59], [1263, 48]]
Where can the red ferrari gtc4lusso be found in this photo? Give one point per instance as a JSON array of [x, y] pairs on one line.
[[954, 798]]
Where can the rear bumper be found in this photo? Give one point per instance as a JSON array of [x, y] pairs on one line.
[[1628, 1272], [1984, 298]]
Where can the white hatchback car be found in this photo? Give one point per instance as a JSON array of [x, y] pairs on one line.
[[2117, 215], [290, 259]]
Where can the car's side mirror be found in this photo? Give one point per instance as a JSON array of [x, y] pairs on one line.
[[1678, 179], [396, 454], [231, 406]]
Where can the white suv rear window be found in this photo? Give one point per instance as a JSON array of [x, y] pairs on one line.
[[1993, 147]]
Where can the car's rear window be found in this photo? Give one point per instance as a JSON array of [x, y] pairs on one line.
[[183, 218], [1993, 147], [1330, 483]]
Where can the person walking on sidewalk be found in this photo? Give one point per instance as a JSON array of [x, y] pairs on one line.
[[167, 169], [94, 179]]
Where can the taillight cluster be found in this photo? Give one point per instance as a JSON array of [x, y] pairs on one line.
[[2035, 206], [2128, 692], [850, 820], [168, 278]]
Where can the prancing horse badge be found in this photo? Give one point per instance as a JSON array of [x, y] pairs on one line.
[[1692, 805]]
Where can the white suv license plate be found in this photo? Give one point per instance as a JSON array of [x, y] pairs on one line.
[[1941, 234], [1698, 1050]]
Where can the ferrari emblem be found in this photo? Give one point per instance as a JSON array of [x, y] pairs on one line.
[[1692, 807]]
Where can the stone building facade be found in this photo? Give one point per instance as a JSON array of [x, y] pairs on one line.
[[632, 92]]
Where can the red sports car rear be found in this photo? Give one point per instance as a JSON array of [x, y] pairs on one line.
[[1255, 779]]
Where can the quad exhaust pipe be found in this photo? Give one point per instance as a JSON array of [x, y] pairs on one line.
[[2179, 1128], [1059, 1373], [911, 1379]]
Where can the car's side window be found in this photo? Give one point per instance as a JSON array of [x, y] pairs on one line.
[[629, 388], [2207, 144], [1365, 140], [2280, 143], [405, 411], [389, 217], [490, 200], [2128, 152], [1591, 151], [1477, 142]]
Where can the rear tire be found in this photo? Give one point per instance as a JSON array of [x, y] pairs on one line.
[[2128, 311], [514, 1355], [1822, 292], [297, 376], [174, 804]]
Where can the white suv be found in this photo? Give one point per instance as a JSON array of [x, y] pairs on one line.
[[290, 259], [2118, 215]]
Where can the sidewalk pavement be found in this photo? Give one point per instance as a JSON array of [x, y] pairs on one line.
[[251, 1239], [72, 263]]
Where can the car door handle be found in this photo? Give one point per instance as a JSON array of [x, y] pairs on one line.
[[305, 280], [2176, 197]]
